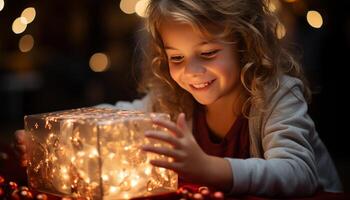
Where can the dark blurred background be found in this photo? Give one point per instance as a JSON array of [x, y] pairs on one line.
[[82, 53]]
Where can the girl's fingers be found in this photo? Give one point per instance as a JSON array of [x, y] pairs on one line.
[[21, 148], [168, 152], [167, 165], [169, 125], [24, 163], [20, 136], [22, 156], [168, 138]]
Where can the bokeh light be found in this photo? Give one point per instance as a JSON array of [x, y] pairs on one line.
[[128, 6], [29, 14], [274, 5], [26, 43], [280, 31], [140, 7], [99, 62], [314, 18], [2, 4], [19, 25]]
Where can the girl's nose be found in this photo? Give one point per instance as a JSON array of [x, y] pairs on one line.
[[194, 67]]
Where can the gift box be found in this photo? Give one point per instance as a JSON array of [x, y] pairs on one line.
[[95, 153]]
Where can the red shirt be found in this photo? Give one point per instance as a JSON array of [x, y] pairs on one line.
[[235, 144]]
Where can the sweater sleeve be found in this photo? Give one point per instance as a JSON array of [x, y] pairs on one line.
[[288, 164]]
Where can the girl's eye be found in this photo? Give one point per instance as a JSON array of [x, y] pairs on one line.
[[176, 59], [209, 54]]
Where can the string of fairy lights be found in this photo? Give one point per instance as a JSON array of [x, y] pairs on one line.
[[100, 61]]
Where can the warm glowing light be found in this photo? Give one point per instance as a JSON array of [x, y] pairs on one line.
[[280, 31], [148, 170], [314, 18], [121, 175], [65, 177], [81, 153], [87, 180], [26, 43], [134, 182], [105, 177], [64, 170], [29, 14], [111, 155], [126, 196], [140, 7], [113, 189], [128, 6], [290, 1], [72, 157], [2, 4], [94, 153], [274, 5], [99, 62], [19, 25]]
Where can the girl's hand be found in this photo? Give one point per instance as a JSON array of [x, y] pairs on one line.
[[20, 147], [189, 161]]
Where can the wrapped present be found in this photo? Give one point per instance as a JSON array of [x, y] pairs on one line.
[[95, 153]]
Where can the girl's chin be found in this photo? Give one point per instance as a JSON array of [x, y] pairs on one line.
[[204, 102]]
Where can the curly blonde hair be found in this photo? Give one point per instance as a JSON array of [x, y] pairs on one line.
[[248, 22]]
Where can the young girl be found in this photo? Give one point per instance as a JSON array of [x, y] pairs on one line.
[[238, 98], [220, 63]]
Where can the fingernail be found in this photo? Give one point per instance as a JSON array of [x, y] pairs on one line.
[[19, 133], [183, 115]]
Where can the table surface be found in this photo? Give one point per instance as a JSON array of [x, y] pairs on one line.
[[11, 171]]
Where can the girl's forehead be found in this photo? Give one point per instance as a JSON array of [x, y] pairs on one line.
[[206, 31]]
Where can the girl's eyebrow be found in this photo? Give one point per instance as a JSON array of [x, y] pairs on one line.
[[166, 47]]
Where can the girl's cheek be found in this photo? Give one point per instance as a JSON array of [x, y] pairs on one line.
[[173, 74]]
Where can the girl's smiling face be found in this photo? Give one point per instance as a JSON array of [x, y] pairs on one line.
[[208, 69]]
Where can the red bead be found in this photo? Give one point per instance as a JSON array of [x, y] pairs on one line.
[[12, 185], [21, 195], [15, 195], [200, 189], [41, 197], [205, 192], [2, 193], [23, 188], [218, 195], [185, 193], [190, 195], [179, 190], [197, 196], [26, 194], [2, 181]]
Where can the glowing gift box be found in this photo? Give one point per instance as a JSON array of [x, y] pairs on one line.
[[95, 153]]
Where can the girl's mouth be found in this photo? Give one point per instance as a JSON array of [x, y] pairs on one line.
[[201, 86]]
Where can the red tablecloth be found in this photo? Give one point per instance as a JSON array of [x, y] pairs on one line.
[[175, 196], [11, 171]]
